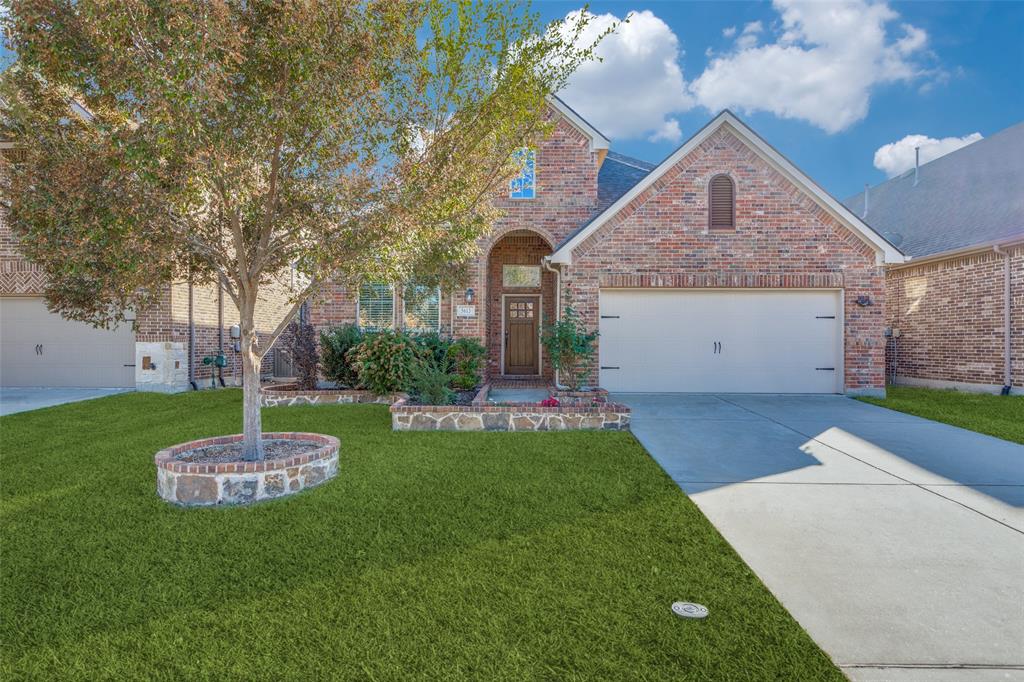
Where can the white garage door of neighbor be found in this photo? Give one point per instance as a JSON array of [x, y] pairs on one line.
[[667, 341], [39, 348]]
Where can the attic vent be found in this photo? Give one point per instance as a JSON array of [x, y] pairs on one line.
[[721, 203]]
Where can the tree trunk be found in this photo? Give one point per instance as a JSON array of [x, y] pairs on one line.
[[252, 423]]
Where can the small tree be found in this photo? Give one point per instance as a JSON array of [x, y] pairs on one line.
[[305, 355], [230, 142], [570, 347]]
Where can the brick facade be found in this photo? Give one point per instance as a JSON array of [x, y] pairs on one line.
[[783, 239], [566, 182], [950, 316]]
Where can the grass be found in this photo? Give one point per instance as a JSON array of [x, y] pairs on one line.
[[995, 415], [431, 556]]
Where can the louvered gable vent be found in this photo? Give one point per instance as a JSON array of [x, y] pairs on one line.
[[721, 203]]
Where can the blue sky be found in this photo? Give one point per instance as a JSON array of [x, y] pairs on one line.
[[845, 90], [829, 85]]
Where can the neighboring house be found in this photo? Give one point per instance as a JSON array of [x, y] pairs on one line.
[[723, 268], [39, 348], [956, 309]]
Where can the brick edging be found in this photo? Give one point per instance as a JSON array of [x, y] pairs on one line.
[[167, 458]]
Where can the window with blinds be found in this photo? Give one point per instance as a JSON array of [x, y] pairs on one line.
[[376, 306], [721, 203], [422, 308]]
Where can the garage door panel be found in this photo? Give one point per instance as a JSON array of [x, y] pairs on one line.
[[39, 348], [721, 341]]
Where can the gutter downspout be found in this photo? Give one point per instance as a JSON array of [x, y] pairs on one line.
[[546, 262], [191, 336], [1007, 373]]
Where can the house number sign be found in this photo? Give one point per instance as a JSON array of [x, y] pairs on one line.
[[465, 311]]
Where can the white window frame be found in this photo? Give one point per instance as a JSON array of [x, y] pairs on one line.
[[359, 307], [437, 291]]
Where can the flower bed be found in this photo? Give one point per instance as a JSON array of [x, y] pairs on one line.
[[194, 483], [287, 394], [583, 413]]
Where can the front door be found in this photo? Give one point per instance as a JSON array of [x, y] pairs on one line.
[[522, 352]]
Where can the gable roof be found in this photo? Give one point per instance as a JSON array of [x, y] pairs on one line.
[[597, 139], [886, 251], [618, 174], [969, 197]]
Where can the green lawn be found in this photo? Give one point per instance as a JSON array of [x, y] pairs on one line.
[[996, 415], [432, 556]]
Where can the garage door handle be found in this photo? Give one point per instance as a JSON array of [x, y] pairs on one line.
[[825, 369], [609, 317], [607, 367]]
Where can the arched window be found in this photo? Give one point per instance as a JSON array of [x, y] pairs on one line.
[[721, 203]]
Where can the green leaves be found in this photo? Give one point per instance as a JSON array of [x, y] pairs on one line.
[[570, 347]]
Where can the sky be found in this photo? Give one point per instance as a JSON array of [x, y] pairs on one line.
[[844, 90]]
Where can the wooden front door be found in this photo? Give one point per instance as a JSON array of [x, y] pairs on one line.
[[522, 354]]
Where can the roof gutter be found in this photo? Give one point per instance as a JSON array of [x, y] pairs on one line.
[[962, 251]]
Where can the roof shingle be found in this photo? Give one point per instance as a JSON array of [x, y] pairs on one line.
[[974, 195]]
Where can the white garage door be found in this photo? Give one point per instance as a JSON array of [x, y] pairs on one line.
[[38, 348], [720, 341]]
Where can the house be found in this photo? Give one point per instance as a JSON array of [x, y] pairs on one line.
[[956, 309], [162, 351], [722, 268]]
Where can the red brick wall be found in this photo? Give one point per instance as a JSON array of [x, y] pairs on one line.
[[17, 275], [271, 308], [525, 248], [950, 315], [782, 240], [566, 181]]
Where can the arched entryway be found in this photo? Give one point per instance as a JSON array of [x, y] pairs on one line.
[[520, 300]]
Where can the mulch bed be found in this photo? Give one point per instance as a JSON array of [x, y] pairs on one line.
[[272, 448], [461, 398]]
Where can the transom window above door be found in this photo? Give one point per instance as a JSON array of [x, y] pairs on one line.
[[526, 276]]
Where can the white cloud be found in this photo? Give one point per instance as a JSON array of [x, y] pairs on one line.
[[822, 68], [748, 38], [897, 157], [638, 84], [729, 31]]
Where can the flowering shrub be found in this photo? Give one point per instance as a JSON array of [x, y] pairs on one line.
[[549, 402]]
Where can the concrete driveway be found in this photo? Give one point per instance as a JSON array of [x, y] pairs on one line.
[[23, 399], [897, 542]]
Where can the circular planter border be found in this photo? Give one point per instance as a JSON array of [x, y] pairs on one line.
[[193, 484]]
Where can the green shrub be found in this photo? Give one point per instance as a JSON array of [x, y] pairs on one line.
[[436, 345], [570, 347], [386, 361], [429, 384], [466, 358], [335, 343]]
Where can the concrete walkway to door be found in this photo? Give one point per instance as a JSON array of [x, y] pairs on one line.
[[897, 542]]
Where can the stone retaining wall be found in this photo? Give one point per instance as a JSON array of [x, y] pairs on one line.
[[508, 417], [286, 395], [190, 484]]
